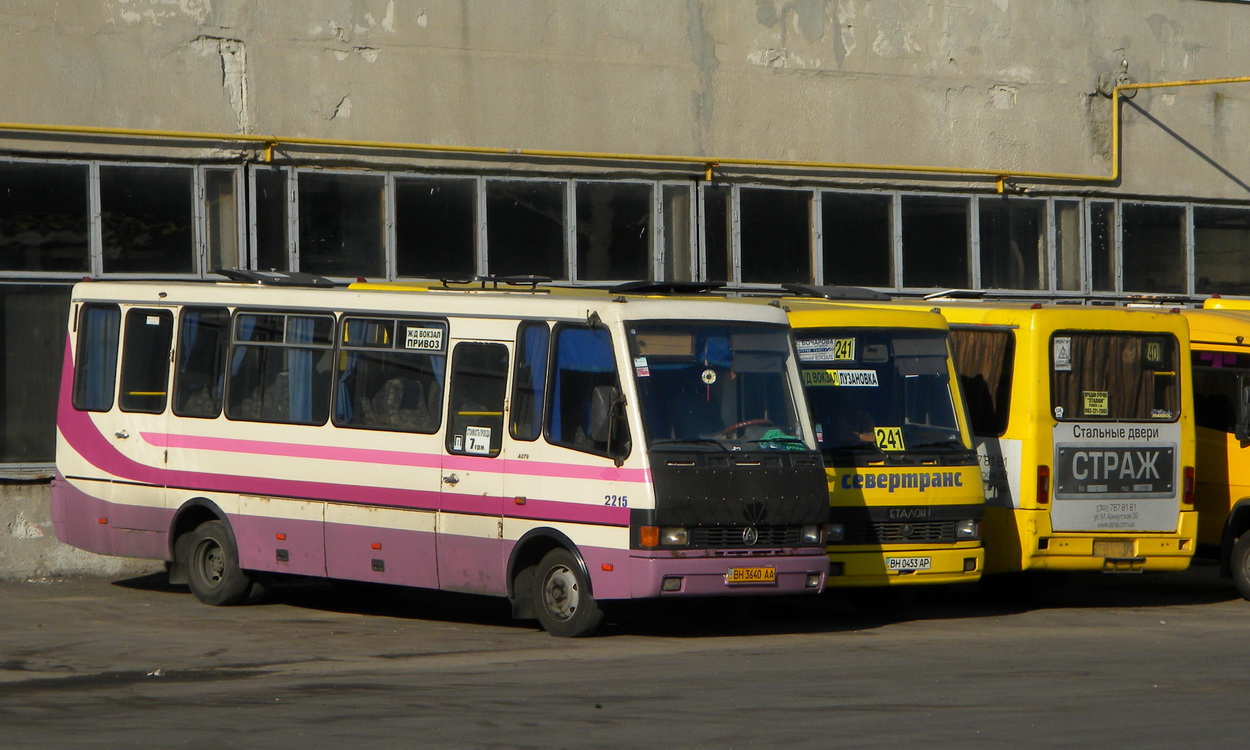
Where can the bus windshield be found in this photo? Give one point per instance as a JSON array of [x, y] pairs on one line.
[[724, 386], [1108, 376], [879, 395]]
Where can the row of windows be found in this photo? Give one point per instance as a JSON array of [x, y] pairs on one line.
[[116, 219], [376, 374]]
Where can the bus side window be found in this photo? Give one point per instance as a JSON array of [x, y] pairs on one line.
[[983, 360], [200, 372], [529, 380], [479, 377], [145, 360], [1215, 398], [95, 364], [280, 368], [583, 361]]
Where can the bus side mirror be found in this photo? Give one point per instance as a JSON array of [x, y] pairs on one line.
[[1241, 428]]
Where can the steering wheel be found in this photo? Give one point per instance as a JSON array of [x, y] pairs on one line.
[[762, 422]]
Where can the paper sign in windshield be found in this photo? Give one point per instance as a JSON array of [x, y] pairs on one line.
[[840, 378], [826, 350]]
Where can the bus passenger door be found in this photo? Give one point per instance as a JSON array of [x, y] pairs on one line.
[[470, 523], [139, 425]]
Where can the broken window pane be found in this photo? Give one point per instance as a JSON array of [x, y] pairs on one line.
[[1154, 248], [677, 223], [613, 231], [857, 239], [935, 242], [1102, 246], [340, 224], [1013, 244], [1221, 251], [776, 230], [221, 211], [434, 228], [718, 233], [145, 219], [272, 220], [43, 218], [525, 228]]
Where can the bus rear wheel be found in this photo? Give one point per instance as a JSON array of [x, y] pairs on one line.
[[562, 597], [1241, 565], [213, 571]]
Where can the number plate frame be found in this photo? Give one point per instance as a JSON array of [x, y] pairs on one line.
[[750, 576]]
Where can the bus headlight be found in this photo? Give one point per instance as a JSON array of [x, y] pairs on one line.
[[835, 532], [674, 536], [811, 535], [966, 529]]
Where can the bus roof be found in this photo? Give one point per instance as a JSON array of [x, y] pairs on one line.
[[424, 300], [1219, 326]]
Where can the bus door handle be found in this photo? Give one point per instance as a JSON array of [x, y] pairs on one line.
[[451, 479], [121, 435]]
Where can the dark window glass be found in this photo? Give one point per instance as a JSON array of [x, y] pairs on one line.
[[525, 228], [1102, 247], [280, 369], [479, 377], [776, 236], [390, 374], [146, 220], [340, 224], [43, 218], [1098, 376], [613, 231], [434, 226], [32, 347], [95, 359], [199, 378], [1216, 390], [718, 233], [857, 239], [1154, 248], [272, 220], [583, 361], [1013, 244], [984, 360], [1221, 251], [145, 360], [935, 242], [529, 381]]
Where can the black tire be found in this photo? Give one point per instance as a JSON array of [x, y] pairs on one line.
[[562, 597], [1240, 562], [213, 571]]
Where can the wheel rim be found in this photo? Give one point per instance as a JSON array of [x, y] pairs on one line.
[[211, 562], [561, 592]]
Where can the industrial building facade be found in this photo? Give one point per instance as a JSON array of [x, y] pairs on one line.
[[1070, 148]]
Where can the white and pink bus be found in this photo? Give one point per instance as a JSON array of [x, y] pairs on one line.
[[559, 449]]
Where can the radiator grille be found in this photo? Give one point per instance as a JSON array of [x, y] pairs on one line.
[[731, 536], [899, 532]]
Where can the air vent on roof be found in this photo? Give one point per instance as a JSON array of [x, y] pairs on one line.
[[275, 278]]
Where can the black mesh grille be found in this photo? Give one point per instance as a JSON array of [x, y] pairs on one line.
[[731, 536], [899, 532]]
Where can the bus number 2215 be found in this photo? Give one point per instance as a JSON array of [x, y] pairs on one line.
[[616, 501]]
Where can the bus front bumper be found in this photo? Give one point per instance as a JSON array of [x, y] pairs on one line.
[[728, 575]]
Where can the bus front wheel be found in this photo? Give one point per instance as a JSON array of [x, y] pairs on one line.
[[212, 563], [1241, 565], [562, 597]]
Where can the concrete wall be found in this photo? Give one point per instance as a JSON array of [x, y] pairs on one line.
[[29, 548], [988, 84]]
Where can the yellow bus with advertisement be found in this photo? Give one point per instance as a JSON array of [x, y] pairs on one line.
[[1085, 433], [905, 492]]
